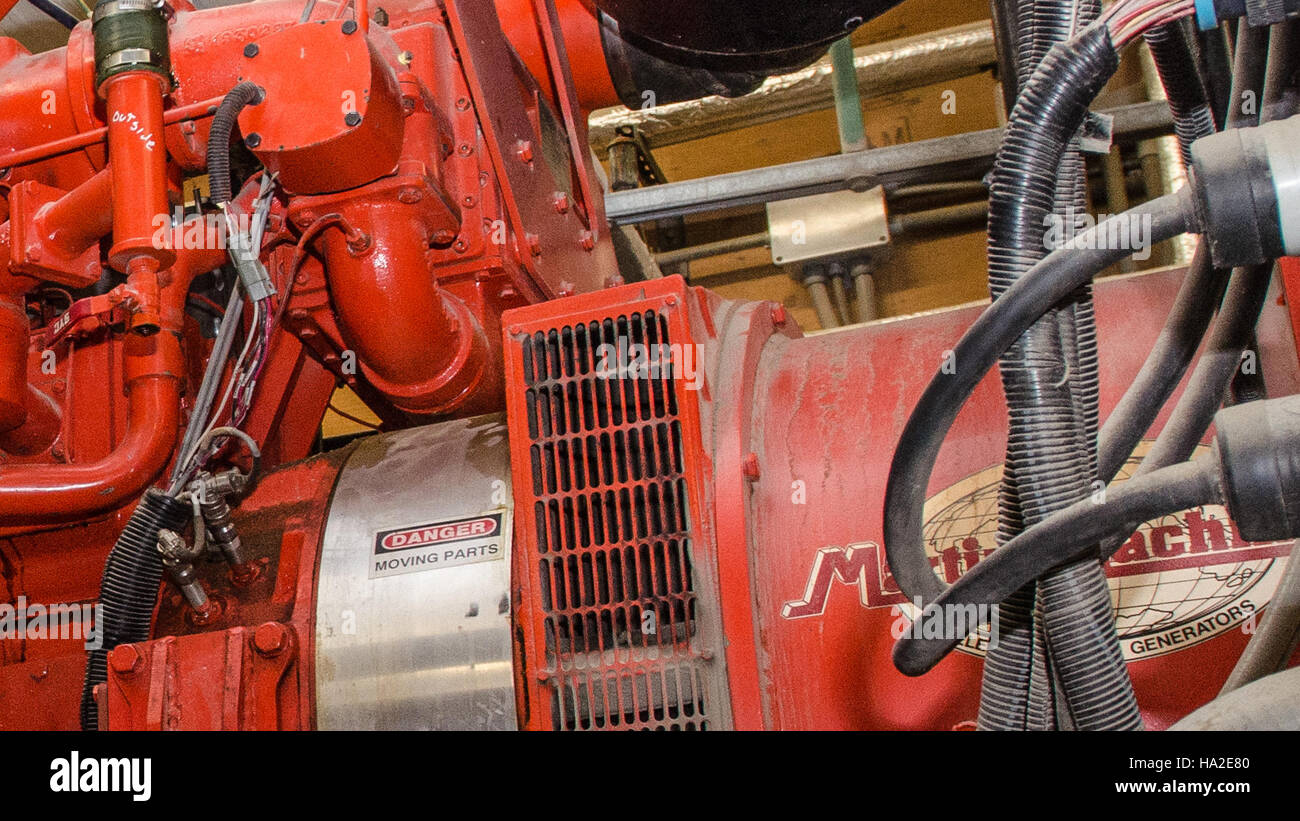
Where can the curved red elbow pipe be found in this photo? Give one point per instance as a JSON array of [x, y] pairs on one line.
[[154, 370]]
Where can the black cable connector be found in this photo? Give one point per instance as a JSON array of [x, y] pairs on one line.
[[1247, 187]]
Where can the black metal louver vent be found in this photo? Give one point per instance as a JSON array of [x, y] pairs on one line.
[[612, 575]]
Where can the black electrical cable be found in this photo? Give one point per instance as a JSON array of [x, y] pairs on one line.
[[1282, 78], [1029, 298], [1198, 297], [1003, 14], [1214, 64], [1068, 536], [128, 590], [223, 126], [56, 13], [1247, 288], [1176, 65]]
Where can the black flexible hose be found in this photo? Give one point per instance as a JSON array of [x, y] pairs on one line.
[[1176, 65], [1198, 297], [1278, 634], [223, 126], [1213, 373], [1066, 537], [56, 12], [1215, 68], [1029, 298], [1247, 288], [1282, 79], [129, 588], [1041, 288]]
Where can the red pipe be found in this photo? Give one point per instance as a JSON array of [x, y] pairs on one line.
[[81, 217], [138, 162], [417, 344], [154, 369]]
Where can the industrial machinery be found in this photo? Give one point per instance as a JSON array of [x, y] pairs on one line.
[[605, 498]]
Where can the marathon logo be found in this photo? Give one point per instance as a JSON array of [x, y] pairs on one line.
[[1177, 581], [446, 543]]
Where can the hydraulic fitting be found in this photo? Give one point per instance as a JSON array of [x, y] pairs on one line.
[[178, 557]]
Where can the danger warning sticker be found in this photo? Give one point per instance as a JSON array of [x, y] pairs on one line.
[[445, 543]]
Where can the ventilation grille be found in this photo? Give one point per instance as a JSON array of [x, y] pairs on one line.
[[612, 578]]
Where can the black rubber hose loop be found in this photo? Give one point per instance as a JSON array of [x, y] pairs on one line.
[[1038, 291]]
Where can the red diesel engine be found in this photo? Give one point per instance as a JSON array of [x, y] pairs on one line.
[[602, 499]]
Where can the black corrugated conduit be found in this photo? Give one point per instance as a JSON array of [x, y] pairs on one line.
[[1176, 65], [223, 126], [128, 590], [1018, 690], [1049, 462]]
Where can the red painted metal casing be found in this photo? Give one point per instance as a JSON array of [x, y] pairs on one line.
[[795, 441], [614, 569], [332, 115]]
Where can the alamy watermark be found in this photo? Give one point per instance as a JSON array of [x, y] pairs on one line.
[[199, 232], [636, 360], [34, 622], [974, 624], [1121, 232]]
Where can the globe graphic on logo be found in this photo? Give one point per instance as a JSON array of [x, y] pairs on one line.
[[1161, 604]]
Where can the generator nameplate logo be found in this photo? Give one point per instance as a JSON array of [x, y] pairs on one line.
[[443, 543], [1177, 581]]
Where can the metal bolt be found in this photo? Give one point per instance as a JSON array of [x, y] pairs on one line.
[[460, 246], [749, 467], [410, 196], [352, 118], [58, 451], [124, 659], [59, 386], [779, 315], [469, 201], [534, 244], [462, 104], [253, 140], [349, 26], [587, 240], [524, 150], [443, 237], [561, 201], [250, 50], [465, 149], [270, 638]]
